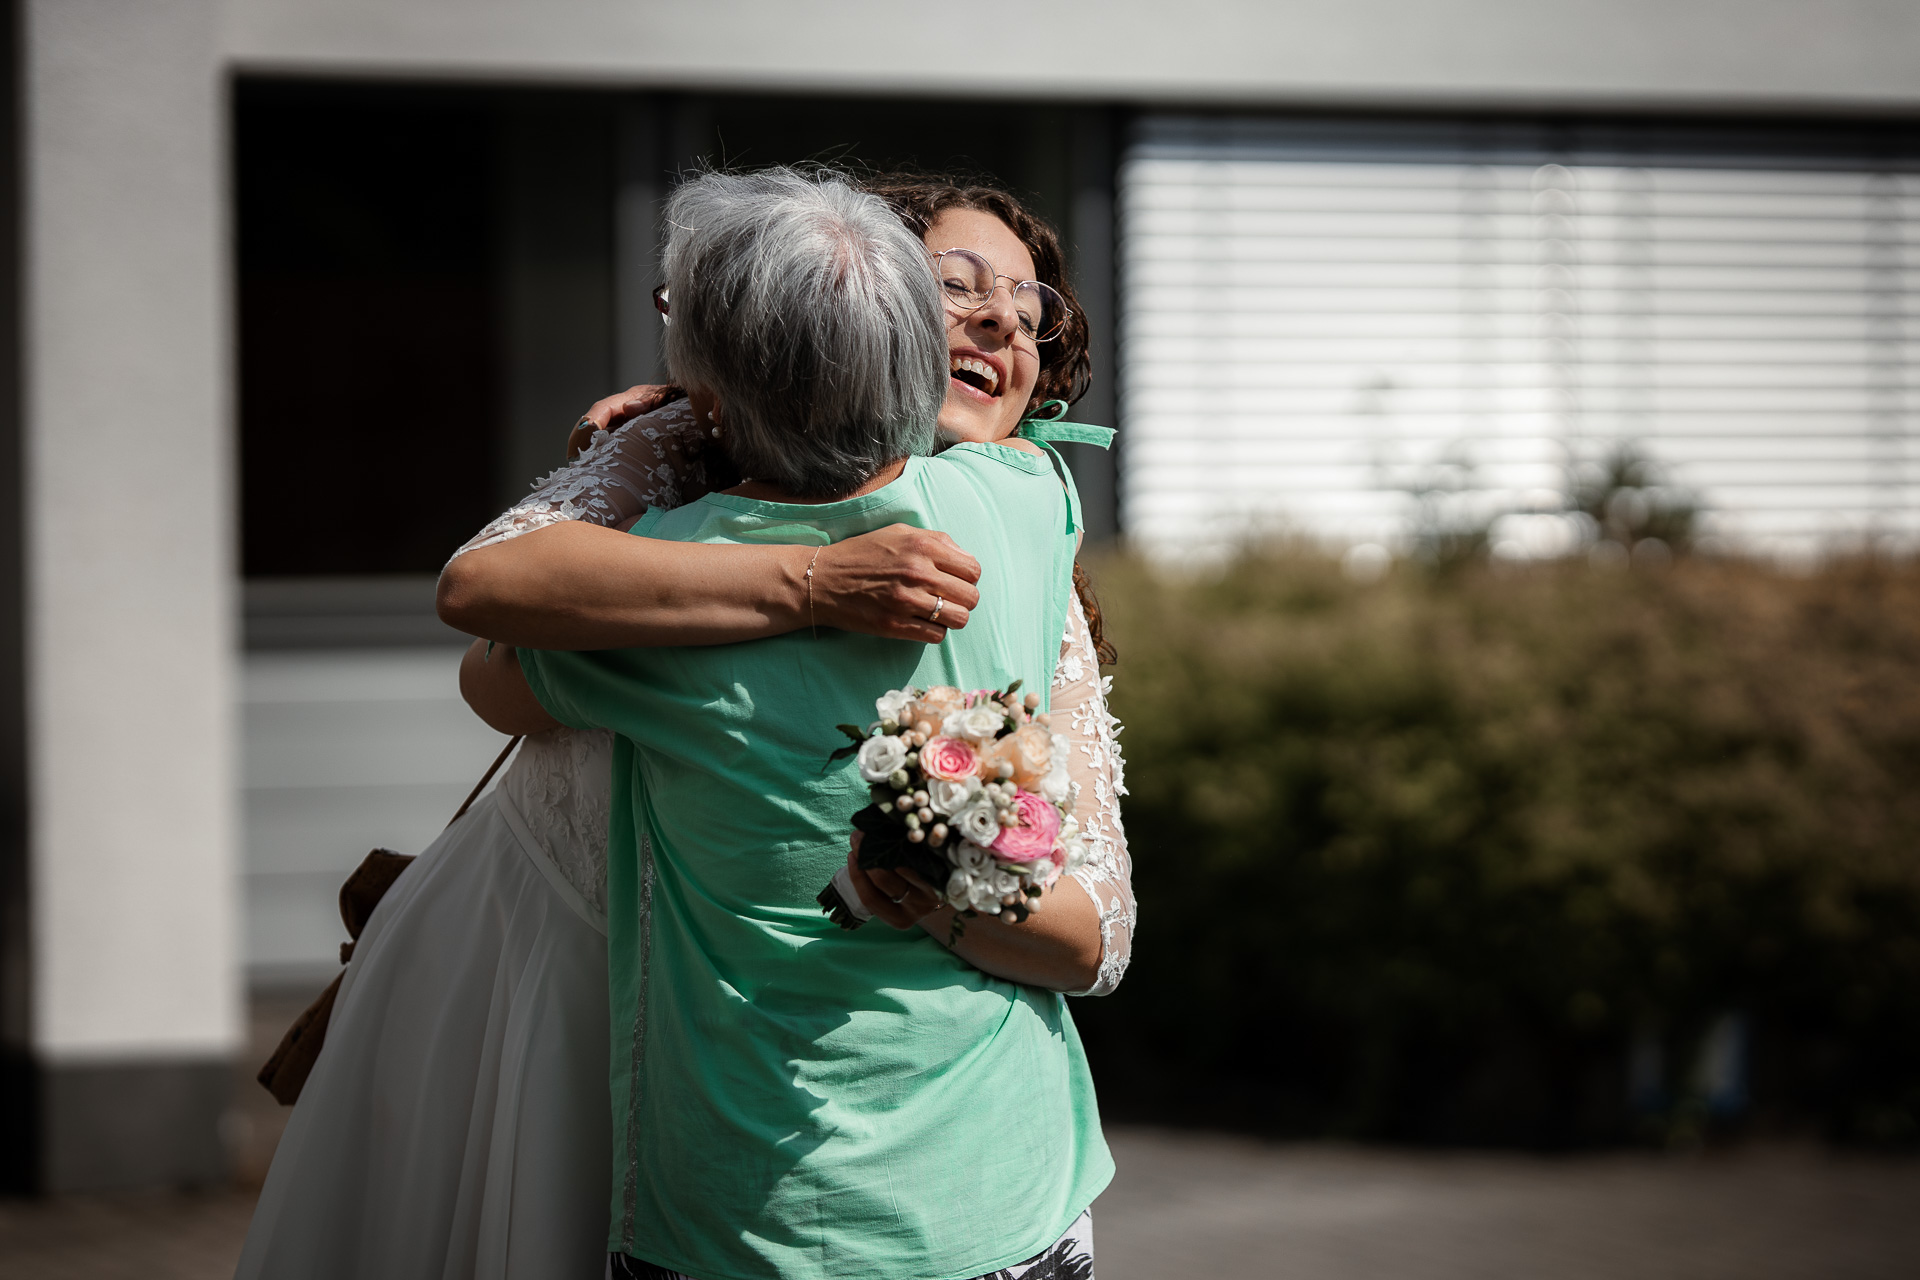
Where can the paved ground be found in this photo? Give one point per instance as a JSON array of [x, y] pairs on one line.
[[1188, 1206], [160, 1237], [1191, 1206], [1197, 1205]]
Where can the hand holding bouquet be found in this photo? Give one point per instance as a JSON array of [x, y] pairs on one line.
[[970, 792]]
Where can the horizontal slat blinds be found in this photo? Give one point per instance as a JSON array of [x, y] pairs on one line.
[[1319, 321]]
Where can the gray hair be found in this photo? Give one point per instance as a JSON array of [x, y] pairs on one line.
[[814, 316]]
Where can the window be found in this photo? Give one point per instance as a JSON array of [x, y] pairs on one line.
[[1321, 320], [367, 328]]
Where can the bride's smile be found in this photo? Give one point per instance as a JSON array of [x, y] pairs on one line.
[[975, 374]]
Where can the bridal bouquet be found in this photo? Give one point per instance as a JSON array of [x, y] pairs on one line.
[[969, 790]]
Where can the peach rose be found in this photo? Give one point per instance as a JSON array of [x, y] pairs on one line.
[[935, 705], [948, 759], [1029, 749]]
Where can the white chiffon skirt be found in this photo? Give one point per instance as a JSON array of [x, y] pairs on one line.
[[457, 1121]]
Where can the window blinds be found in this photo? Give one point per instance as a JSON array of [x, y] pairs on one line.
[[1321, 321]]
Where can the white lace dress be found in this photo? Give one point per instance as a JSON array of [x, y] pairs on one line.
[[456, 1124]]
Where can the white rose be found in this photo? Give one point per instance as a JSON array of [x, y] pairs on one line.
[[1057, 786], [983, 898], [890, 705], [975, 724], [971, 858], [958, 886], [979, 823], [880, 756], [949, 798]]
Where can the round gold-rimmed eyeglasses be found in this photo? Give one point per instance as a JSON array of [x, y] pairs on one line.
[[967, 282]]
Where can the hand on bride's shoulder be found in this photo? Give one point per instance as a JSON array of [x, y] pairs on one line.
[[614, 411]]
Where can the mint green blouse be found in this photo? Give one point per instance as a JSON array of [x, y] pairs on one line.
[[791, 1099]]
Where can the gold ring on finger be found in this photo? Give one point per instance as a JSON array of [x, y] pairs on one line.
[[939, 603]]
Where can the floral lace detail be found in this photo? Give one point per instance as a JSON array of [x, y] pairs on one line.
[[659, 460], [561, 781], [1080, 701]]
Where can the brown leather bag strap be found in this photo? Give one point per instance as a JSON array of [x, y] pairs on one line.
[[485, 778], [285, 1073]]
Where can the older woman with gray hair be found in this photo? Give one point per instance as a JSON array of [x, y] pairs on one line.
[[830, 369], [789, 1100]]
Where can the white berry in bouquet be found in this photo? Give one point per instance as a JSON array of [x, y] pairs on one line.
[[892, 703]]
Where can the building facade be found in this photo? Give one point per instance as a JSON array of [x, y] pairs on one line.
[[298, 291]]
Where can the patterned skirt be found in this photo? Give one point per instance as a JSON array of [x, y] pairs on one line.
[[1069, 1258]]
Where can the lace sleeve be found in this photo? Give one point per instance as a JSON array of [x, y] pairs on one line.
[[657, 460], [1079, 708]]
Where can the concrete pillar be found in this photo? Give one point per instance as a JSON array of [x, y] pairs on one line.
[[125, 1009]]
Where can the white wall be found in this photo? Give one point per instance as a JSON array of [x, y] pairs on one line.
[[347, 749], [1722, 53], [129, 515]]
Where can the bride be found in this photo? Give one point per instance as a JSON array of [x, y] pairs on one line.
[[457, 1123]]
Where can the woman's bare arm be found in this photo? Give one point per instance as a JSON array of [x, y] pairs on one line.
[[555, 571], [496, 688], [576, 585], [1057, 947]]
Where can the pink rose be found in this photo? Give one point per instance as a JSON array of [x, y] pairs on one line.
[[948, 759], [1037, 834]]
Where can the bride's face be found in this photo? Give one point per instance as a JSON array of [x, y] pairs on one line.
[[991, 365]]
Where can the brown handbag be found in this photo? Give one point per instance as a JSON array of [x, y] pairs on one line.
[[286, 1072]]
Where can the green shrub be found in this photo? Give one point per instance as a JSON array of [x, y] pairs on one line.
[[1422, 859]]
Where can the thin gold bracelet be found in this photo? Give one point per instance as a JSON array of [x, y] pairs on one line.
[[812, 625]]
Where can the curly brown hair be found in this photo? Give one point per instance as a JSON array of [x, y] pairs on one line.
[[1066, 362]]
